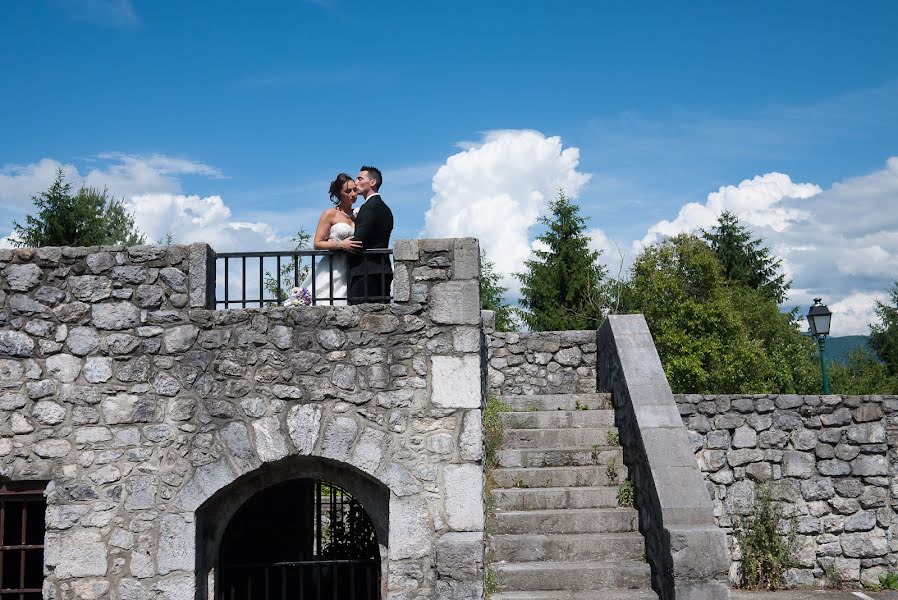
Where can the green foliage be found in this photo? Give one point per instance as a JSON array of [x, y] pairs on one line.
[[610, 469], [626, 494], [613, 437], [492, 295], [561, 288], [884, 335], [88, 218], [286, 276], [887, 581], [746, 261], [766, 553], [714, 335], [492, 429], [862, 374], [491, 583]]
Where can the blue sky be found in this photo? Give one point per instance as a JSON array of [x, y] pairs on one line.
[[258, 106]]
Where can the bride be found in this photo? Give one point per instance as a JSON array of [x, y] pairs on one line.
[[334, 232]]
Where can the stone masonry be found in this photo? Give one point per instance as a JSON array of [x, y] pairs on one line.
[[139, 406], [829, 459]]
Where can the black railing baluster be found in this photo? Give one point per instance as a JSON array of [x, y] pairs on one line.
[[295, 270], [261, 284], [365, 280], [330, 268], [243, 282], [314, 284], [277, 271], [226, 282]]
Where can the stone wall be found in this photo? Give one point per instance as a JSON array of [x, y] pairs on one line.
[[542, 362], [829, 459], [152, 416]]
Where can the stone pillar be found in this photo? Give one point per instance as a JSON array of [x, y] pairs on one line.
[[687, 551]]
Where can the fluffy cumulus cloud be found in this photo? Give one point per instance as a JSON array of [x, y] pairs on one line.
[[151, 186], [497, 188], [840, 243]]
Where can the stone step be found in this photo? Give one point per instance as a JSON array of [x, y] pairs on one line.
[[542, 477], [554, 498], [577, 546], [558, 457], [558, 438], [573, 575], [606, 594], [557, 401], [570, 520], [557, 419]]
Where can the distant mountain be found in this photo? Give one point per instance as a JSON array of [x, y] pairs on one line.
[[838, 348]]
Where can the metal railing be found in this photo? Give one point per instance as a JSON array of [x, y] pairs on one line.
[[257, 279]]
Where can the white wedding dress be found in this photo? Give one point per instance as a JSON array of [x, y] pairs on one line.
[[323, 290]]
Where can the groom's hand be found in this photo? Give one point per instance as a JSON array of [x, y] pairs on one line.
[[351, 245]]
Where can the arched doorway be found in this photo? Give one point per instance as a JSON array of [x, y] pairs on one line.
[[302, 538]]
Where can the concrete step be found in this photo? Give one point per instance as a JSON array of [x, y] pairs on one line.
[[554, 498], [558, 457], [558, 401], [560, 547], [606, 594], [542, 477], [557, 419], [570, 520], [573, 575], [557, 438]]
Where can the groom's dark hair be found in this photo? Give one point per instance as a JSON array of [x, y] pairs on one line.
[[374, 173]]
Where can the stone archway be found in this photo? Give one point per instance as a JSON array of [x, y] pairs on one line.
[[224, 506]]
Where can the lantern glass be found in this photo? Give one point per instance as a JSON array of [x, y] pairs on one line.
[[819, 317]]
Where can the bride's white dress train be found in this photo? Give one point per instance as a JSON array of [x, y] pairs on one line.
[[323, 290]]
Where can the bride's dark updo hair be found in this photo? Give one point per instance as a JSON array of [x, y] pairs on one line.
[[337, 187]]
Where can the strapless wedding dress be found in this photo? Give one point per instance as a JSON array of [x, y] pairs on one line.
[[324, 290]]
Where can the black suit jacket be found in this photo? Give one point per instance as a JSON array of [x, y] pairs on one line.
[[373, 226]]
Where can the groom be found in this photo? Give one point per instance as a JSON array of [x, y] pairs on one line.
[[370, 276]]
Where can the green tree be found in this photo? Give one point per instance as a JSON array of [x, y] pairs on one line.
[[884, 335], [492, 295], [863, 374], [562, 287], [714, 335], [745, 260], [88, 218]]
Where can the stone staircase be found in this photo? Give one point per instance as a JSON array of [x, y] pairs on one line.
[[555, 530]]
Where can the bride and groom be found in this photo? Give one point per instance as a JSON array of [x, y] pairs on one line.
[[356, 278]]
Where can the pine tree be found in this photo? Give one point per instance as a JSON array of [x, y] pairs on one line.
[[746, 261], [492, 295], [561, 288], [88, 218], [884, 335]]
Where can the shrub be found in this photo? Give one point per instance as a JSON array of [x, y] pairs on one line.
[[766, 553]]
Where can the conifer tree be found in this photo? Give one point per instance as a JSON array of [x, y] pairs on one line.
[[884, 335], [88, 218], [746, 261], [492, 295], [561, 288]]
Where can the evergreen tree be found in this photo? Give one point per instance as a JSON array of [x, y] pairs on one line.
[[562, 287], [884, 335], [88, 218], [714, 335], [492, 295], [746, 261]]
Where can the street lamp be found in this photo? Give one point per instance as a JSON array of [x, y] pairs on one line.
[[818, 318]]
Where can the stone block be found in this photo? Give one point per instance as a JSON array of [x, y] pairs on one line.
[[76, 553], [339, 436], [401, 283], [115, 315], [369, 452], [463, 497], [470, 443], [459, 555], [455, 381], [16, 343], [406, 250], [410, 525], [466, 259], [798, 464], [177, 543], [205, 481], [271, 444], [303, 425], [201, 276], [455, 302]]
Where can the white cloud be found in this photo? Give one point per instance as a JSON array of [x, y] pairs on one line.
[[497, 188], [840, 244], [755, 201], [107, 13], [19, 182], [191, 218]]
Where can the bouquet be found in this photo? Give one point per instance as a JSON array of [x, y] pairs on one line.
[[299, 297]]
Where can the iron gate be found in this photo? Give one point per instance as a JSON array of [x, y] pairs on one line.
[[299, 540]]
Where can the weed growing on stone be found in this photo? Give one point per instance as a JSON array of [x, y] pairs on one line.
[[491, 583], [626, 494], [766, 554], [579, 406], [519, 482], [611, 471], [832, 579], [492, 429], [887, 581], [613, 437]]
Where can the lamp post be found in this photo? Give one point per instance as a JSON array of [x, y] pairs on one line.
[[818, 318]]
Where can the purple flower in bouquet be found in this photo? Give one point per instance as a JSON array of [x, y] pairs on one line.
[[305, 297]]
